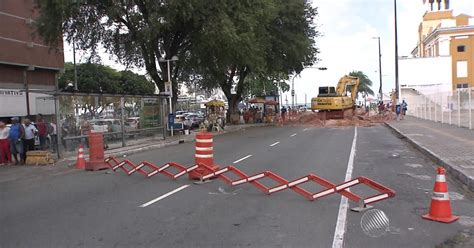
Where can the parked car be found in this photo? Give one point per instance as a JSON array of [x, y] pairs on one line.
[[133, 122], [99, 126], [195, 119]]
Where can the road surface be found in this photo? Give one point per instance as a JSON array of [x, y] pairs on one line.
[[111, 209]]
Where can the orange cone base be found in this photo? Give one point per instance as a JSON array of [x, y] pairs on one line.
[[95, 166], [450, 219], [81, 165], [200, 172]]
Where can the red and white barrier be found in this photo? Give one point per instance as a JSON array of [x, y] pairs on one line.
[[205, 169]]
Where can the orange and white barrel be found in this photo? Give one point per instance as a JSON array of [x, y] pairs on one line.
[[204, 149]]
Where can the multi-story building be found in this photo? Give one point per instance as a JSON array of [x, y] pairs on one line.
[[27, 64], [443, 59]]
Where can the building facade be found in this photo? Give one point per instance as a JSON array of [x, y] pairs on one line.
[[444, 55], [27, 64]]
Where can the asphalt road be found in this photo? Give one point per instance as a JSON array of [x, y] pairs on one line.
[[102, 209]]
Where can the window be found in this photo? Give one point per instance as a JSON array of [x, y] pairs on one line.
[[461, 49], [462, 86], [461, 69]]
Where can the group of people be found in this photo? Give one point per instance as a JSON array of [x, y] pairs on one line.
[[19, 138], [400, 108], [288, 112], [253, 114]]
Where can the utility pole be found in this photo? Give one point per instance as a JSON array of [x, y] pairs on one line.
[[380, 70], [74, 60], [397, 90]]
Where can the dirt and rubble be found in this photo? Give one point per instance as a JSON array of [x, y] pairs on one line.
[[359, 118]]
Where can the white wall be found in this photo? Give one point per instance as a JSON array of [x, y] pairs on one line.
[[422, 73], [444, 47], [13, 103]]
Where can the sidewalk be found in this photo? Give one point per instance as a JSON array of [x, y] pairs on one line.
[[65, 166], [450, 146]]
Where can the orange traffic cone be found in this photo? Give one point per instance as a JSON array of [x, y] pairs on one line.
[[440, 209], [81, 162]]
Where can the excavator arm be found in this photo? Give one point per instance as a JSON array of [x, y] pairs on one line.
[[348, 81]]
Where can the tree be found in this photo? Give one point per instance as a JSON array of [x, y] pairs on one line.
[[253, 39], [261, 85], [364, 83], [95, 78], [218, 42], [137, 32]]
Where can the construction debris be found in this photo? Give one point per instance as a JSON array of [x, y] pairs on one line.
[[360, 118]]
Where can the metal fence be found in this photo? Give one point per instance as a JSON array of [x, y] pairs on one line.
[[123, 119], [454, 108]]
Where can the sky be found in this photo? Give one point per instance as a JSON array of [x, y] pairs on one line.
[[347, 43]]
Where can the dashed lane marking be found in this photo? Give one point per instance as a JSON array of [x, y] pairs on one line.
[[242, 159], [293, 135], [164, 196], [276, 143]]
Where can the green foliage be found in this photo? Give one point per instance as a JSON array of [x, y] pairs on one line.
[[253, 40], [219, 42], [96, 78], [261, 86], [365, 83]]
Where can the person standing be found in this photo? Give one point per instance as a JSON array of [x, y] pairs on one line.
[[404, 108], [5, 155], [43, 130], [29, 138], [15, 137], [283, 113], [54, 135], [398, 110]]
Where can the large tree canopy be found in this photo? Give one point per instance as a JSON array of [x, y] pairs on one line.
[[137, 32], [261, 38], [100, 78], [219, 42]]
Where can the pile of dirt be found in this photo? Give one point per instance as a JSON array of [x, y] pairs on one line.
[[360, 118]]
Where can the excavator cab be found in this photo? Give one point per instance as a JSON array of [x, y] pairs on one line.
[[327, 91]]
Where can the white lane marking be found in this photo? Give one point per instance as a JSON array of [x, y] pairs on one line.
[[338, 240], [293, 135], [242, 159], [164, 196], [276, 143], [306, 129]]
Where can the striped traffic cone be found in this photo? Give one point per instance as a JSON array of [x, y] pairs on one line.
[[81, 162], [440, 209]]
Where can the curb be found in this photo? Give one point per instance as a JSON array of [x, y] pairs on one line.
[[468, 181], [71, 160]]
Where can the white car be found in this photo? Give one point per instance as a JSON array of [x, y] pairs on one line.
[[133, 122]]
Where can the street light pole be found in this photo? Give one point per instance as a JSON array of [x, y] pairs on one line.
[[380, 69], [293, 91], [74, 60], [397, 90], [174, 58], [171, 94]]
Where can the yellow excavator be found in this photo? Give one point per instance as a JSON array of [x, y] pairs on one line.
[[334, 102]]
